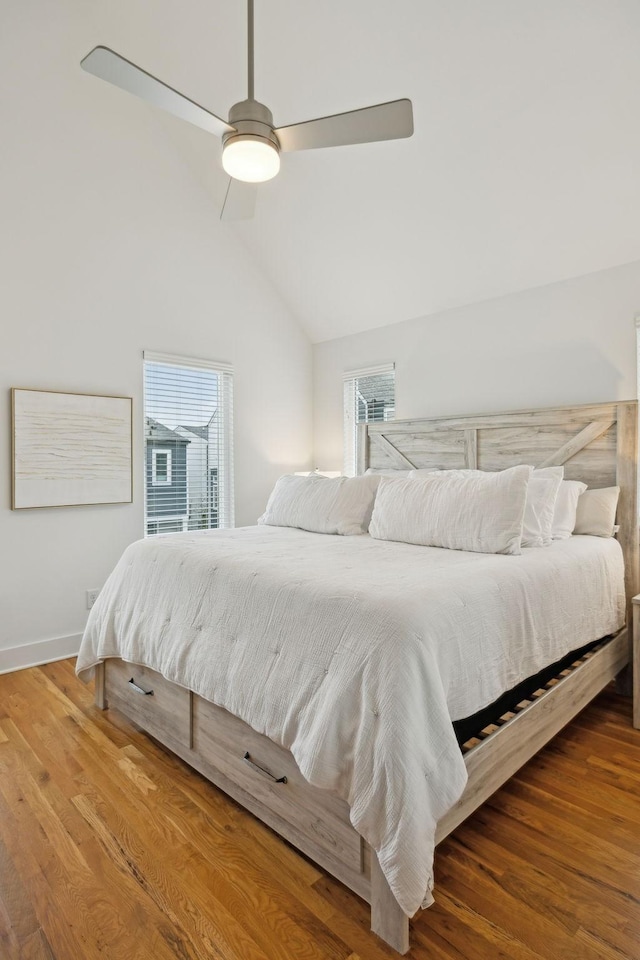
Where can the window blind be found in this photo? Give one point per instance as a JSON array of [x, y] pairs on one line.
[[188, 432], [369, 396]]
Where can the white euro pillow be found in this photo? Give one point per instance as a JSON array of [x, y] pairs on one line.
[[340, 505], [542, 494], [457, 509], [541, 498], [596, 513], [564, 514]]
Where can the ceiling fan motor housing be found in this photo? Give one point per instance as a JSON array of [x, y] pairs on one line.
[[251, 120]]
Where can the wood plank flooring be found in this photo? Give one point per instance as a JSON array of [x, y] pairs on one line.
[[110, 848]]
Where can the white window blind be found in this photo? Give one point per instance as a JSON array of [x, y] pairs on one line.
[[369, 396], [188, 423]]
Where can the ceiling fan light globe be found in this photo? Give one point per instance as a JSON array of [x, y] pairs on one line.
[[253, 159]]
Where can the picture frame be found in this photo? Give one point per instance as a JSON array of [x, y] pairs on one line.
[[70, 449]]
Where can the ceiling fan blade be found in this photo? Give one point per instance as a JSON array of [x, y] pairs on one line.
[[384, 121], [110, 66], [240, 200]]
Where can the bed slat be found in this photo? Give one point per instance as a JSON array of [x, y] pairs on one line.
[[492, 761]]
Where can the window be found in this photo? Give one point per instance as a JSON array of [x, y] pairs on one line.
[[369, 395], [160, 466], [188, 444]]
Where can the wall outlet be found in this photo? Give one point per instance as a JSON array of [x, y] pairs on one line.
[[92, 596]]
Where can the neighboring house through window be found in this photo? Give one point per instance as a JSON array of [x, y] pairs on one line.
[[369, 396], [188, 444]]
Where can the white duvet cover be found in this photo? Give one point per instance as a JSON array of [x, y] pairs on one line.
[[355, 654]]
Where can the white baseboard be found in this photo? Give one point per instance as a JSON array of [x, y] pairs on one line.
[[42, 651]]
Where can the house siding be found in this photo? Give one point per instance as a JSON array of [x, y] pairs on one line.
[[167, 499]]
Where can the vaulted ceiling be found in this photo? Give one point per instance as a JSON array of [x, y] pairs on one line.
[[524, 168]]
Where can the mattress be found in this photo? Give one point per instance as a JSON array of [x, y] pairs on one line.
[[356, 654]]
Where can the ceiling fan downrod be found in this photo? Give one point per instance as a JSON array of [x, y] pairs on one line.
[[251, 151], [250, 53]]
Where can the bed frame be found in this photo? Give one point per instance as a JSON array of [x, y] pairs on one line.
[[595, 443]]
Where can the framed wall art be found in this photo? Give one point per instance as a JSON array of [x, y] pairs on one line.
[[70, 448]]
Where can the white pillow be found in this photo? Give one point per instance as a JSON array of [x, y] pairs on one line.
[[541, 499], [596, 513], [542, 493], [457, 509], [564, 515], [339, 505]]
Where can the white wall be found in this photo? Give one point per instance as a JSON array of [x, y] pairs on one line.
[[108, 246], [570, 342]]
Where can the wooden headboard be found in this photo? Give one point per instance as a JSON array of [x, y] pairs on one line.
[[596, 443]]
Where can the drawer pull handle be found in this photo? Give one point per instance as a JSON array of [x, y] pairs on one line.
[[146, 693], [265, 773]]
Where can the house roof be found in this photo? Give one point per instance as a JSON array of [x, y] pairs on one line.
[[202, 432], [154, 430]]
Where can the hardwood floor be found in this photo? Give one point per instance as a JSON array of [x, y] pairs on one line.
[[111, 848]]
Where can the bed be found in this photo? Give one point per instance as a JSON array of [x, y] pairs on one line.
[[187, 699]]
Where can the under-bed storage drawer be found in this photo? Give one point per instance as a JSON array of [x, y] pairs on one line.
[[269, 774], [161, 708]]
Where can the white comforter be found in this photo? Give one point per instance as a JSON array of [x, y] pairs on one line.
[[356, 654]]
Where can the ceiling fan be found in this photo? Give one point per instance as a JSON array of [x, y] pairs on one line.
[[251, 145]]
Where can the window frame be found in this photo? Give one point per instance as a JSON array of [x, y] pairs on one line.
[[350, 410]]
